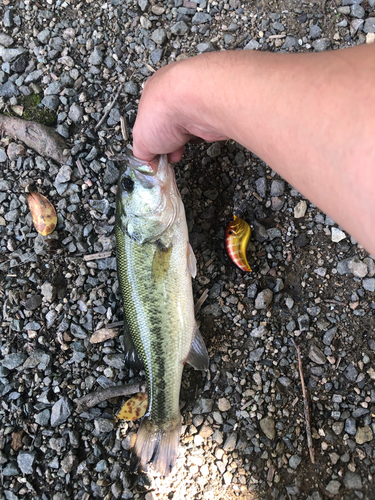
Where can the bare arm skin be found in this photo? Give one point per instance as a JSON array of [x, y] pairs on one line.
[[311, 117]]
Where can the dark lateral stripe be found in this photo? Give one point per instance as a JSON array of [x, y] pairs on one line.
[[153, 323]]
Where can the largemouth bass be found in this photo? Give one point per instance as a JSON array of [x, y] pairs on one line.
[[155, 265]]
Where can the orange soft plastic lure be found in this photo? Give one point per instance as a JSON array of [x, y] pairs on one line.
[[237, 235]]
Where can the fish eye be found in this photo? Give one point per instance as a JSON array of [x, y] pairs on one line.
[[128, 184], [230, 232]]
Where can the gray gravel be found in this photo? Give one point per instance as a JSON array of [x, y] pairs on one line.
[[243, 422]]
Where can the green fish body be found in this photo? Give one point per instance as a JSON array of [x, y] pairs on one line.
[[155, 265]]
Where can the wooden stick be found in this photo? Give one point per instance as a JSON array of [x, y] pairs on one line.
[[305, 405], [99, 255], [323, 7], [94, 398], [80, 168], [116, 324], [44, 140], [201, 301], [334, 301], [150, 68], [109, 107], [124, 129]]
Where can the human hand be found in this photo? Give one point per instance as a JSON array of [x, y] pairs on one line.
[[175, 108]]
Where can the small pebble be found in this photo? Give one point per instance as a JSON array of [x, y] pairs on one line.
[[300, 209], [264, 299], [267, 425]]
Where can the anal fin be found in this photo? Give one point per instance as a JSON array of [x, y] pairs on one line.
[[132, 359], [198, 355]]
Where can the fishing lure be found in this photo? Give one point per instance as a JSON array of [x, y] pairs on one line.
[[237, 235]]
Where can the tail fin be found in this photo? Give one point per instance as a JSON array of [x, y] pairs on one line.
[[157, 445]]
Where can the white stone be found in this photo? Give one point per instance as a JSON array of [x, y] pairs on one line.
[[337, 235], [300, 209]]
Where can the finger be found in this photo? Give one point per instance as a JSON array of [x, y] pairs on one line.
[[176, 156]]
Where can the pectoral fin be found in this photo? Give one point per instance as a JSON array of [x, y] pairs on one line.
[[161, 262], [191, 261], [198, 355]]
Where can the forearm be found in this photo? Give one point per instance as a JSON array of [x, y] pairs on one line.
[[303, 116], [311, 117]]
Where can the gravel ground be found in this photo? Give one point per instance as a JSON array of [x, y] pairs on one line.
[[244, 427]]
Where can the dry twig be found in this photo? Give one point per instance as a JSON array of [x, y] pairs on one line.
[[305, 405], [201, 301], [334, 301], [81, 170], [109, 107], [323, 9], [94, 398], [116, 324], [44, 140], [99, 255], [150, 68], [124, 129]]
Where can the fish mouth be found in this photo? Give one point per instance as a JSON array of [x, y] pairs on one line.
[[144, 172], [144, 167]]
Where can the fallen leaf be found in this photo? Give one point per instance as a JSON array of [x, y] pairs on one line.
[[103, 334], [43, 213], [134, 408], [17, 440]]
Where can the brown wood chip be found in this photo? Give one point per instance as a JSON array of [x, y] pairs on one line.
[[17, 440]]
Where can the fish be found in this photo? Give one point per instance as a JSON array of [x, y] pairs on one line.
[[237, 235], [156, 264]]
